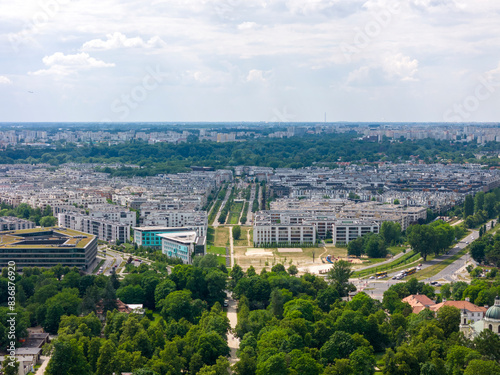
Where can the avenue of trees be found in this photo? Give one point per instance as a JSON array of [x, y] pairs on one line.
[[479, 209], [434, 238]]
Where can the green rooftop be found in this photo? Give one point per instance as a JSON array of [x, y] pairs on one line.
[[44, 238]]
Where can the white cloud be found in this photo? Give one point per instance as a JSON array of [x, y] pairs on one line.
[[247, 26], [61, 64], [256, 75], [5, 81], [119, 40], [400, 67], [494, 74]]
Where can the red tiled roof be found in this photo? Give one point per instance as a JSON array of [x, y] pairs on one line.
[[462, 305], [418, 299]]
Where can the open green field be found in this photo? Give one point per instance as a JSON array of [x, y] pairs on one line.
[[216, 250], [243, 241], [235, 212], [210, 236], [221, 237]]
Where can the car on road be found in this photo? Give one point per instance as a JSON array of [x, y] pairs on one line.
[[226, 303], [419, 268], [394, 277], [372, 277]]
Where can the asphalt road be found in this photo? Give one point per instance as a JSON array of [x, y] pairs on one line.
[[376, 288]]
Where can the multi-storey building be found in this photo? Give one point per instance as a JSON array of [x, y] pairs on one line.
[[47, 247], [344, 231], [184, 245], [14, 223], [178, 218], [384, 212], [105, 230]]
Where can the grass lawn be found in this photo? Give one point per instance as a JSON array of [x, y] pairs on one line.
[[395, 250], [405, 261], [435, 269], [221, 260], [221, 236], [216, 250], [235, 212], [243, 241], [210, 235], [234, 218]]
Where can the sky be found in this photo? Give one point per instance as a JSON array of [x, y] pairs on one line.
[[250, 60]]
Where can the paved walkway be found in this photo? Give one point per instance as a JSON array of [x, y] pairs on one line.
[[384, 262], [41, 369], [232, 341]]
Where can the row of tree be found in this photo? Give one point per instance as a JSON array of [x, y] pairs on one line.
[[40, 217], [296, 152]]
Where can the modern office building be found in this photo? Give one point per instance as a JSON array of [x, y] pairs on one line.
[[149, 236], [184, 245], [47, 247]]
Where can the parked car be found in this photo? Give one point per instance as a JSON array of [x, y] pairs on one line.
[[226, 303]]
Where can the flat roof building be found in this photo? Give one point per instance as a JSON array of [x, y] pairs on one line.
[[184, 245], [47, 247], [344, 231]]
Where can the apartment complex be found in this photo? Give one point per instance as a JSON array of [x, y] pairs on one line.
[[341, 220], [105, 230], [14, 223], [47, 247], [344, 231], [379, 213], [178, 218]]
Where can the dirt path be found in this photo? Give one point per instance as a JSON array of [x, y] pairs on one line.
[[248, 237]]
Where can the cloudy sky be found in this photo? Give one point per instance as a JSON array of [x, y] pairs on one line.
[[250, 60]]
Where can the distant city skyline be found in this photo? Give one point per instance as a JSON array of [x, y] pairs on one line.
[[234, 60]]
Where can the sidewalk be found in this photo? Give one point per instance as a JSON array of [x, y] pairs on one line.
[[41, 369]]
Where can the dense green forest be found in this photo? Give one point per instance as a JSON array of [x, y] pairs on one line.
[[296, 152], [288, 325]]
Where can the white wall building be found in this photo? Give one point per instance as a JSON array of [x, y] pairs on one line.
[[345, 231]]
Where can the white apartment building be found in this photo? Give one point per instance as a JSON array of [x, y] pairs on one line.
[[113, 213], [384, 212], [345, 231], [177, 218], [283, 234], [105, 230], [14, 223]]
